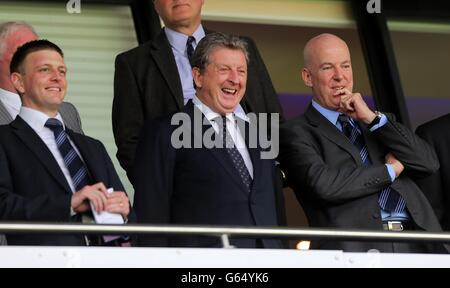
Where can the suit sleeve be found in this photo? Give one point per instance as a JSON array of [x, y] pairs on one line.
[[272, 103], [432, 186], [153, 174], [40, 207], [71, 117], [310, 175], [127, 112], [416, 155], [113, 179]]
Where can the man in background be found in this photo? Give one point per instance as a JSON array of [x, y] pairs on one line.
[[437, 185]]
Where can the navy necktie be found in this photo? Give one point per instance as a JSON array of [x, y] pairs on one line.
[[388, 199], [234, 154], [74, 164], [77, 170], [190, 47]]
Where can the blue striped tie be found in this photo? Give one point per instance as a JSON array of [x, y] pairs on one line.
[[235, 155], [76, 167], [388, 199], [190, 47]]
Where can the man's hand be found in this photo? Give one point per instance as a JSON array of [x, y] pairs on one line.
[[118, 203], [353, 105], [397, 165], [96, 193]]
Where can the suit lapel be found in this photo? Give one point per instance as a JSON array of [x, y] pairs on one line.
[[330, 131], [219, 154], [163, 56], [5, 117], [27, 135]]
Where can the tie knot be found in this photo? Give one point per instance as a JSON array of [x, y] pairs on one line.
[[53, 124], [343, 119], [190, 40]]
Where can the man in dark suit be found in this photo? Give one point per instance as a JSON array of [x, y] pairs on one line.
[[200, 183], [12, 36], [350, 167], [437, 185], [155, 78], [49, 173]]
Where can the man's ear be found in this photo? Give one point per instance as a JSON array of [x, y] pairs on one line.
[[17, 80], [197, 76], [306, 76]]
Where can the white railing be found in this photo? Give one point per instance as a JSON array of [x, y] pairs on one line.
[[225, 232]]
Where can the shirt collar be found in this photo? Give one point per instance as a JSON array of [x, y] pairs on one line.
[[211, 115], [10, 98], [178, 40], [331, 115], [36, 119]]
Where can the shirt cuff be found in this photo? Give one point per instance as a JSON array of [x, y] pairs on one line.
[[391, 171], [382, 122]]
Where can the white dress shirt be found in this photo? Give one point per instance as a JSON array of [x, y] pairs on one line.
[[178, 42], [232, 128], [11, 101], [36, 120]]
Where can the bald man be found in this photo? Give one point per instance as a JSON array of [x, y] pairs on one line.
[[350, 166]]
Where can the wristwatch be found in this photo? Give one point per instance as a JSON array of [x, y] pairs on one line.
[[375, 121]]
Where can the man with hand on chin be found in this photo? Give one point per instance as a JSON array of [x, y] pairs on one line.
[[349, 166]]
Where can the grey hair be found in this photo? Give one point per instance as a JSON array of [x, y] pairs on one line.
[[215, 40], [7, 28]]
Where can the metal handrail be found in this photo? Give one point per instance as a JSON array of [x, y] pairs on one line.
[[227, 231]]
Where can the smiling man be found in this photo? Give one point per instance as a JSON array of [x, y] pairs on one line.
[[48, 173], [350, 166], [228, 184]]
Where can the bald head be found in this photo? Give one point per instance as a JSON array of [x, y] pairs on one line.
[[328, 69], [319, 43]]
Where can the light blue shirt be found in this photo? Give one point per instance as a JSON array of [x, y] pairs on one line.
[[332, 116], [178, 42]]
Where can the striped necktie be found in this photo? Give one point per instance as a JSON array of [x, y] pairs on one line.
[[77, 170], [73, 162], [388, 199], [234, 154], [190, 47]]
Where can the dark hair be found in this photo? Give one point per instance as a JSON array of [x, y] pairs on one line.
[[210, 42], [28, 48]]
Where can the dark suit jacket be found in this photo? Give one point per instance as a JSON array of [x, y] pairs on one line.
[[33, 187], [198, 186], [437, 186], [147, 85], [334, 187]]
